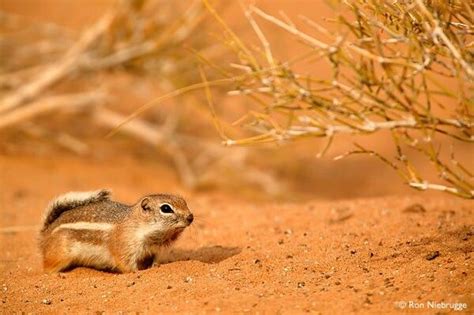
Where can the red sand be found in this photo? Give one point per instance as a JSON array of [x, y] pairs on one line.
[[359, 255]]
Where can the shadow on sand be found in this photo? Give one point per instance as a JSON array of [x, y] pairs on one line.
[[207, 254]]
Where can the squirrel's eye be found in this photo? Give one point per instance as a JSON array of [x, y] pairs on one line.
[[166, 208]]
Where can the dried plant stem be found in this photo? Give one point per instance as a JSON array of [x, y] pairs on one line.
[[152, 136], [57, 71], [444, 188], [316, 43], [158, 100], [174, 145], [437, 32], [50, 104]]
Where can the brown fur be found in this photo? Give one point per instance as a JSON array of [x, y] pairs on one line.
[[66, 202], [105, 234]]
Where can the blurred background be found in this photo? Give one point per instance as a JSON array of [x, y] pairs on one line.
[[74, 70]]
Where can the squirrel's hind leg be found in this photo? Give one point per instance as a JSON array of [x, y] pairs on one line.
[[55, 253]]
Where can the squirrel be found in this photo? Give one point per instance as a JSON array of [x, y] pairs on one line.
[[91, 230]]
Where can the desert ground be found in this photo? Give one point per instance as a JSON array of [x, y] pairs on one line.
[[320, 256], [339, 239]]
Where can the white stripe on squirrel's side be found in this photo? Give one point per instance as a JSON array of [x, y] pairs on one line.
[[89, 254], [96, 226]]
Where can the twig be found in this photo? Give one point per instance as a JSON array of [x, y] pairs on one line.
[[437, 31], [58, 70], [63, 139], [49, 104], [438, 187], [151, 135]]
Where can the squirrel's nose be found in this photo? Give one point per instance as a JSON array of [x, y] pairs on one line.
[[190, 218]]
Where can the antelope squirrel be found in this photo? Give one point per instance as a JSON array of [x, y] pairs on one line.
[[89, 229]]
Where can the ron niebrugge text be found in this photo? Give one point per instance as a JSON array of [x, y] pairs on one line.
[[431, 305]]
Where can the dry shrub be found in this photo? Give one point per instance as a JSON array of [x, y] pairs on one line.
[[145, 38], [393, 67], [134, 35]]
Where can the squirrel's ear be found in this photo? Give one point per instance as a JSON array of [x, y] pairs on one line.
[[145, 204]]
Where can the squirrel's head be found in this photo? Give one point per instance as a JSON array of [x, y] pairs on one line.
[[169, 210], [164, 217]]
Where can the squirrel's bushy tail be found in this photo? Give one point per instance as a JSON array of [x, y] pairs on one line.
[[70, 201]]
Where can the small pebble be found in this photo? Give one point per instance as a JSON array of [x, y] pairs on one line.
[[432, 255], [47, 301]]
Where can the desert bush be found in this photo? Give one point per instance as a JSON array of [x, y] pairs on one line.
[[134, 35], [401, 67], [141, 38]]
